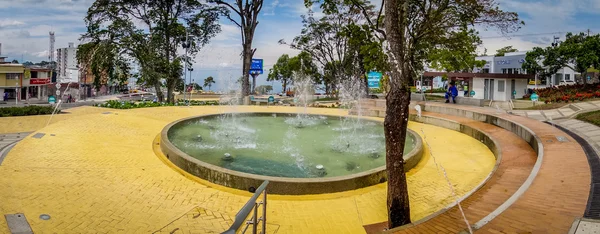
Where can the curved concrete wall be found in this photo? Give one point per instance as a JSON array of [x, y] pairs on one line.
[[280, 185]]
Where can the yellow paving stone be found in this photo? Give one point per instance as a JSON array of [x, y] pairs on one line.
[[100, 173]]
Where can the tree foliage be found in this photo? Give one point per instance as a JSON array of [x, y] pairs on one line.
[[208, 82], [412, 29], [150, 32], [507, 49], [458, 53], [264, 89], [578, 52], [285, 67]]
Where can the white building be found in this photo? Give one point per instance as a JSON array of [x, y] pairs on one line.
[[66, 64]]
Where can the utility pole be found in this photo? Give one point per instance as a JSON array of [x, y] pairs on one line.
[[186, 45]]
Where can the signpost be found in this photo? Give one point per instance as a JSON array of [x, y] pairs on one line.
[[373, 79], [256, 67], [534, 97]]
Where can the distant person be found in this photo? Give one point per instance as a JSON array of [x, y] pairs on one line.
[[452, 92]]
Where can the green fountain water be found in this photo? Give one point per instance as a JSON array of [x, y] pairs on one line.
[[284, 145]]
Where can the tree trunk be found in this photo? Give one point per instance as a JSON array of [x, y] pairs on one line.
[[159, 93], [246, 69], [170, 88], [284, 86], [396, 119]]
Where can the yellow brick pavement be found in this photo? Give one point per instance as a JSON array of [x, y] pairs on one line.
[[99, 173]]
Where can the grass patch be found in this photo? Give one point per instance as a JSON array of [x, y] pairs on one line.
[[326, 99], [590, 117]]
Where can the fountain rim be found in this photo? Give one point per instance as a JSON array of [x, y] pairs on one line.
[[412, 158]]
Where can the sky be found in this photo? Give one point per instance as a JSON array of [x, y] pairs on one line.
[[24, 27]]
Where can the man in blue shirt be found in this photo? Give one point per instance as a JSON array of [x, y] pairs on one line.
[[452, 91]]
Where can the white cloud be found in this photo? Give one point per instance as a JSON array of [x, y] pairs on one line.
[[9, 23], [271, 9]]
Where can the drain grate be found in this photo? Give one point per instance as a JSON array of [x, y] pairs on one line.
[[17, 223], [39, 135], [592, 210]]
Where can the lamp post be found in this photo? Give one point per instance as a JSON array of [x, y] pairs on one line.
[[191, 85], [16, 93]]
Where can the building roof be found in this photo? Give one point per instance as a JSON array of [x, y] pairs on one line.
[[479, 75]]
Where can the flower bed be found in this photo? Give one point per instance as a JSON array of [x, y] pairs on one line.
[[132, 105], [568, 93]]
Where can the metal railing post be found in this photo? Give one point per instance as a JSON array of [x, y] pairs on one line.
[[264, 217], [255, 219]]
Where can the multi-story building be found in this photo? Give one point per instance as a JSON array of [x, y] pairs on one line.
[[511, 63], [13, 83], [66, 64]]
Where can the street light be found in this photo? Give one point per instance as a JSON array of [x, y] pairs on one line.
[[186, 45], [16, 93]]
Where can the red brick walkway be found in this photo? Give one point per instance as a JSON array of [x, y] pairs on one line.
[[556, 197]]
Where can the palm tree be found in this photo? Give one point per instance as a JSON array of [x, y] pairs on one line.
[[209, 81]]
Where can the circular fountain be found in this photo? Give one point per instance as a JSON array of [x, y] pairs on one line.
[[297, 153]]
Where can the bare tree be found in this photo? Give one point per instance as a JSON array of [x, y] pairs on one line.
[[247, 11]]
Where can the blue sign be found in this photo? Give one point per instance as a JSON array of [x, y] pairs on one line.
[[256, 67], [271, 99], [374, 78], [534, 97], [472, 93], [51, 100]]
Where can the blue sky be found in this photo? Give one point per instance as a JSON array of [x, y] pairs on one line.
[[24, 26]]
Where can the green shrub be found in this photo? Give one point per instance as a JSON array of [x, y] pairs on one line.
[[26, 110], [115, 104]]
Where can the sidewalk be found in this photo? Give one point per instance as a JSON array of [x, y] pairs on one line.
[[568, 111]]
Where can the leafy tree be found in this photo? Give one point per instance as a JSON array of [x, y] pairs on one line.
[[248, 20], [281, 71], [285, 67], [151, 32], [28, 63], [208, 82], [197, 86], [15, 61], [412, 28], [504, 50], [458, 53], [264, 89], [578, 52]]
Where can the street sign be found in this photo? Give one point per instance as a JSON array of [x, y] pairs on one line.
[[472, 93], [57, 92], [271, 99], [373, 78], [51, 100], [514, 92], [58, 85], [534, 97], [256, 67]]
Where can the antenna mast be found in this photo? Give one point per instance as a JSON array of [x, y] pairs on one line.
[[51, 52]]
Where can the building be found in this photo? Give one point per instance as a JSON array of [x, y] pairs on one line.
[[488, 86], [511, 63], [39, 79], [66, 64], [13, 84]]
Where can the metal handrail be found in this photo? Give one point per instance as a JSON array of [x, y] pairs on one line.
[[240, 217]]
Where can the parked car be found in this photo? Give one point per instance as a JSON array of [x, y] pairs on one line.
[[566, 82], [138, 97]]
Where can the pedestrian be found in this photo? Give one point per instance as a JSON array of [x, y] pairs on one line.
[[452, 92], [5, 96]]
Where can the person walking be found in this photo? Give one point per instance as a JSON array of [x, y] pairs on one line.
[[452, 92]]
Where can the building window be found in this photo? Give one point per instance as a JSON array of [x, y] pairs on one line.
[[500, 86], [485, 70], [12, 76], [34, 74], [567, 76]]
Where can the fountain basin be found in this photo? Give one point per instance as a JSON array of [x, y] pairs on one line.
[[299, 159]]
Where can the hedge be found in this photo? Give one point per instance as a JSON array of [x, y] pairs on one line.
[[26, 110]]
